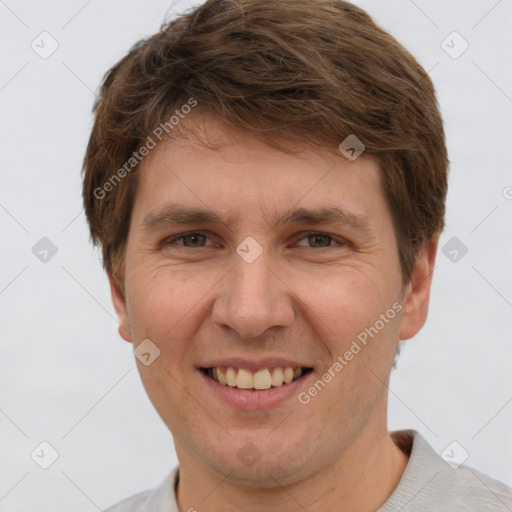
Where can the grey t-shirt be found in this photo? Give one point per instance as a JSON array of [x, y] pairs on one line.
[[428, 484]]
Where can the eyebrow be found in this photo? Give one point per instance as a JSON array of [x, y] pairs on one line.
[[176, 214]]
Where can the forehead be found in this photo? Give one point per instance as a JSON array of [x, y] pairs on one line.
[[228, 171]]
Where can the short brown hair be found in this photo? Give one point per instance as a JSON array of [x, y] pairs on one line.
[[313, 71]]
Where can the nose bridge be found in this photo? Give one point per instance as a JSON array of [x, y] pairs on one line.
[[252, 298]]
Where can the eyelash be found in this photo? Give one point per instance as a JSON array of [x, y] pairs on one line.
[[334, 239]]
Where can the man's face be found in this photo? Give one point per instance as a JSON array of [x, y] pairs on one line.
[[210, 300]]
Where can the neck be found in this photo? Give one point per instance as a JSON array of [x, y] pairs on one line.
[[361, 480]]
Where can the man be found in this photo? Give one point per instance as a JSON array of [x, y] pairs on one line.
[[267, 182]]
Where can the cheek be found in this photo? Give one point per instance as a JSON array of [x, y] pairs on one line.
[[339, 305], [163, 302], [344, 312]]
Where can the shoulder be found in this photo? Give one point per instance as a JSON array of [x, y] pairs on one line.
[[471, 490], [431, 484], [161, 498], [136, 503], [474, 490]]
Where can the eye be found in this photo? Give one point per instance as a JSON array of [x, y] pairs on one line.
[[314, 240], [320, 240], [189, 240]]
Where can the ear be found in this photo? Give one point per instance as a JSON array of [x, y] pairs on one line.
[[417, 293], [121, 309]]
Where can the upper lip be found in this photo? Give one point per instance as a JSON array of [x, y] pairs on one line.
[[253, 364]]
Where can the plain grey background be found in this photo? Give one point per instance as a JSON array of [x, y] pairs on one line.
[[67, 378]]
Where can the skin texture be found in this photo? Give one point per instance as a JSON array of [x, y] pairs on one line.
[[304, 298]]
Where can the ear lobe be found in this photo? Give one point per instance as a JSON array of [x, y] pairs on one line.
[[417, 296], [121, 309]]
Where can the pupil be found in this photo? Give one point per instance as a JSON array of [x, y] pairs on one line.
[[314, 238], [193, 238]]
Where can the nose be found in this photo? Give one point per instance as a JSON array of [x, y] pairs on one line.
[[253, 298]]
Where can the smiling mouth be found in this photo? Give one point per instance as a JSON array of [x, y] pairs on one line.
[[260, 380]]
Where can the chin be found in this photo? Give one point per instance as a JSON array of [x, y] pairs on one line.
[[261, 460]]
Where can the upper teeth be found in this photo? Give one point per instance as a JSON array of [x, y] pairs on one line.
[[260, 379]]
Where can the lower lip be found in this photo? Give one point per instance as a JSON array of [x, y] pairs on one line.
[[253, 400]]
